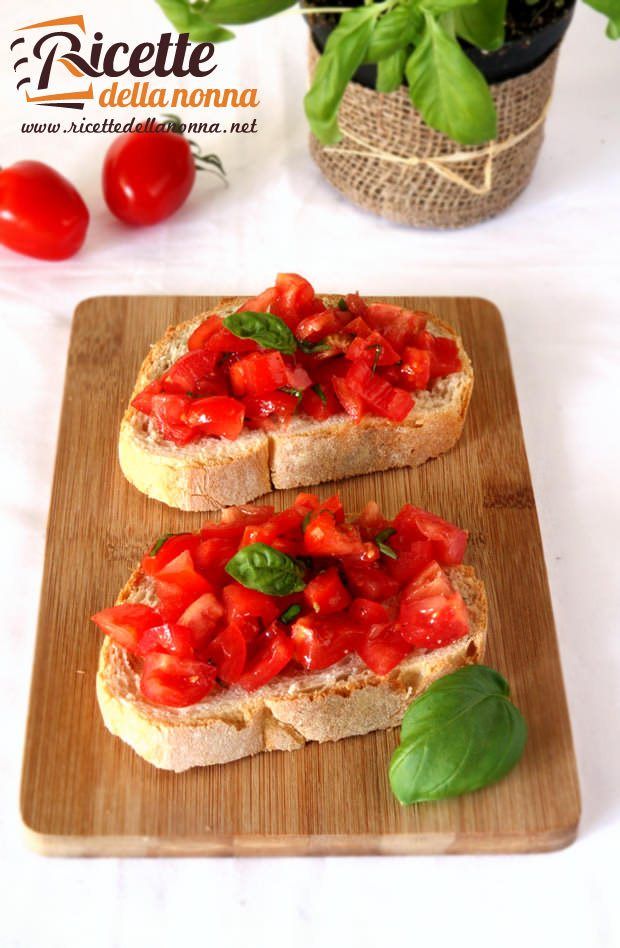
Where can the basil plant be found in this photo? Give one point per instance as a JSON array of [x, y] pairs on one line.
[[416, 41]]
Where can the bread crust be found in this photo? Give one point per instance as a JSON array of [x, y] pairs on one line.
[[213, 473], [340, 702]]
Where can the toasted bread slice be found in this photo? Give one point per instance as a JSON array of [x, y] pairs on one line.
[[213, 473], [294, 708]]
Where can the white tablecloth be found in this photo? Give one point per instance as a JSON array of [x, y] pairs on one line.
[[551, 263]]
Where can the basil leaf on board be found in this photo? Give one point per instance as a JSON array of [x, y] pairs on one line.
[[344, 52], [390, 71], [394, 31], [237, 12], [460, 735], [482, 24], [261, 567], [267, 330], [192, 18], [451, 94]]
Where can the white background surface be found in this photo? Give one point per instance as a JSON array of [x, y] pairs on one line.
[[552, 264]]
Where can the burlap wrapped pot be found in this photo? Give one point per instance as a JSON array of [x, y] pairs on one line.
[[390, 162]]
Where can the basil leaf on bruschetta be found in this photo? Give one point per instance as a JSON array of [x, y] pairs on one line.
[[267, 330], [267, 570]]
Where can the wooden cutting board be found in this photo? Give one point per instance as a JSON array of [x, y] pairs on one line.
[[85, 793]]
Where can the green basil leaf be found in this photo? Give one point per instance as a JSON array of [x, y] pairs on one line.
[[393, 32], [267, 330], [289, 390], [482, 24], [610, 9], [193, 18], [460, 735], [390, 71], [449, 91], [342, 305], [387, 550], [344, 53], [289, 614], [438, 7], [310, 348], [261, 567], [237, 12]]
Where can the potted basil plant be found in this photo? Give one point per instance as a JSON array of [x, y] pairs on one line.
[[428, 112]]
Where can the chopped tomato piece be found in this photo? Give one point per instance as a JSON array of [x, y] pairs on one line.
[[369, 580], [241, 603], [379, 395], [297, 377], [228, 652], [259, 373], [260, 303], [371, 521], [178, 584], [353, 404], [217, 416], [432, 613], [170, 638], [295, 297], [212, 555], [322, 641], [165, 550], [271, 657], [320, 402], [367, 612], [374, 350], [413, 524], [168, 413], [144, 400], [383, 648], [225, 341], [125, 624], [310, 503], [247, 513], [202, 617], [410, 562], [326, 593], [198, 338], [314, 328], [444, 354], [356, 305], [399, 326], [175, 682], [358, 327], [278, 405], [416, 368], [189, 374], [324, 537]]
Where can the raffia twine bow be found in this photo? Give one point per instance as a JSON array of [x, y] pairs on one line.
[[440, 164]]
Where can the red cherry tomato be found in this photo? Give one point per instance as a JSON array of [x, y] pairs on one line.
[[147, 176], [41, 213]]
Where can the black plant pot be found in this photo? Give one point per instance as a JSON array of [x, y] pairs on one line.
[[515, 58]]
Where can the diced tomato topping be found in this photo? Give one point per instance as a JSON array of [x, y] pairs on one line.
[[175, 682], [261, 303], [190, 374], [172, 638], [165, 550], [399, 326], [367, 612], [178, 584], [295, 297], [383, 648], [371, 521], [202, 617], [228, 652], [410, 562], [444, 354], [432, 613], [320, 402], [324, 537], [413, 524], [279, 406], [225, 341], [374, 350], [369, 580], [259, 373], [272, 656], [144, 400], [416, 368], [379, 395], [314, 328], [352, 403], [326, 594], [242, 603], [358, 327], [198, 338], [168, 414], [322, 641], [297, 377], [125, 624], [356, 305], [248, 513], [217, 415], [211, 556]]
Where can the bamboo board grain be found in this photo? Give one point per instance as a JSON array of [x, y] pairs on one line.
[[86, 793]]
